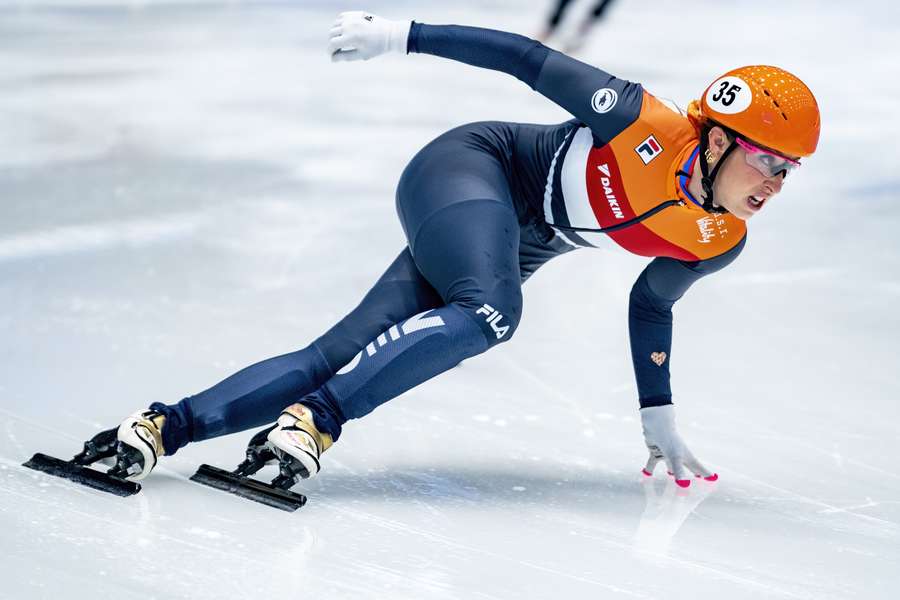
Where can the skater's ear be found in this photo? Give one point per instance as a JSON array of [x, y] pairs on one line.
[[718, 140]]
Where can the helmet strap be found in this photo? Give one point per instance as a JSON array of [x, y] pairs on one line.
[[709, 177]]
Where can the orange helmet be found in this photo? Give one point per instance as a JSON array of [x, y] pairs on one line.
[[766, 104]]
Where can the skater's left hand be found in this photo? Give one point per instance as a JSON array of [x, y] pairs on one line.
[[360, 35], [664, 443]]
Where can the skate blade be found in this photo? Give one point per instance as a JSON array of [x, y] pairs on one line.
[[248, 488], [92, 478]]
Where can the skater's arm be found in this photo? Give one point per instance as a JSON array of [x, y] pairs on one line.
[[657, 289], [659, 286], [510, 53], [604, 103]]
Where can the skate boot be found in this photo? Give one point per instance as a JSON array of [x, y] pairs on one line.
[[259, 453], [298, 444], [139, 445]]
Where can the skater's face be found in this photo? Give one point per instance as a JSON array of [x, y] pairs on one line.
[[741, 187]]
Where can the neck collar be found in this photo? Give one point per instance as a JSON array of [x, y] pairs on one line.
[[684, 174]]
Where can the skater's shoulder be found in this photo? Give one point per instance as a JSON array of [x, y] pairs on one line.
[[666, 115]]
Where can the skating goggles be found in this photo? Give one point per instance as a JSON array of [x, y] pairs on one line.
[[767, 163]]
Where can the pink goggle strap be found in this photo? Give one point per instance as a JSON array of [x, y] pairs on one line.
[[756, 149]]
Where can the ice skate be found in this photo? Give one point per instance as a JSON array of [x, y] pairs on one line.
[[298, 444], [139, 445], [260, 452], [135, 446]]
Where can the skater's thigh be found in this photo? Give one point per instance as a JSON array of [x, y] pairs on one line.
[[399, 293], [456, 209], [468, 252]]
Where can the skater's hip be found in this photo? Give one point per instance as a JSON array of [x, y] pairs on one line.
[[471, 162], [469, 171]]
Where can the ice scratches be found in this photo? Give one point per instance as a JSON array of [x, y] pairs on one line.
[[675, 517], [813, 448], [205, 533], [697, 566], [39, 425], [869, 503], [839, 459], [98, 236], [129, 525], [882, 528], [11, 436], [793, 440], [417, 574], [642, 550], [441, 486], [528, 376], [397, 527]]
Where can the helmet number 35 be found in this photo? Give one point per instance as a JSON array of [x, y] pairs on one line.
[[729, 95]]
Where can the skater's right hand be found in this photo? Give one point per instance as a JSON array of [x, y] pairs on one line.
[[664, 443], [360, 35]]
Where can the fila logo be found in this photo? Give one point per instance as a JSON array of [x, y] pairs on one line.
[[649, 149], [608, 192], [493, 317], [411, 325]]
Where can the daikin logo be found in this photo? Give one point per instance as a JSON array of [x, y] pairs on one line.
[[417, 323], [608, 191]]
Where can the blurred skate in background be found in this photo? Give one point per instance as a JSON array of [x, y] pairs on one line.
[[575, 41]]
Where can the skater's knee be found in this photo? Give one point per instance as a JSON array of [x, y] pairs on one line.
[[502, 322], [496, 314]]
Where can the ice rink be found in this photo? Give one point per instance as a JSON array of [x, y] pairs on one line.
[[189, 187]]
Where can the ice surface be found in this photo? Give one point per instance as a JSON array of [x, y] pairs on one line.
[[186, 188]]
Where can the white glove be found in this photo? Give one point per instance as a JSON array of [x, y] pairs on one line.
[[360, 35], [665, 443]]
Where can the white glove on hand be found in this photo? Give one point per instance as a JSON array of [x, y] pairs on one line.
[[665, 443], [360, 35]]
